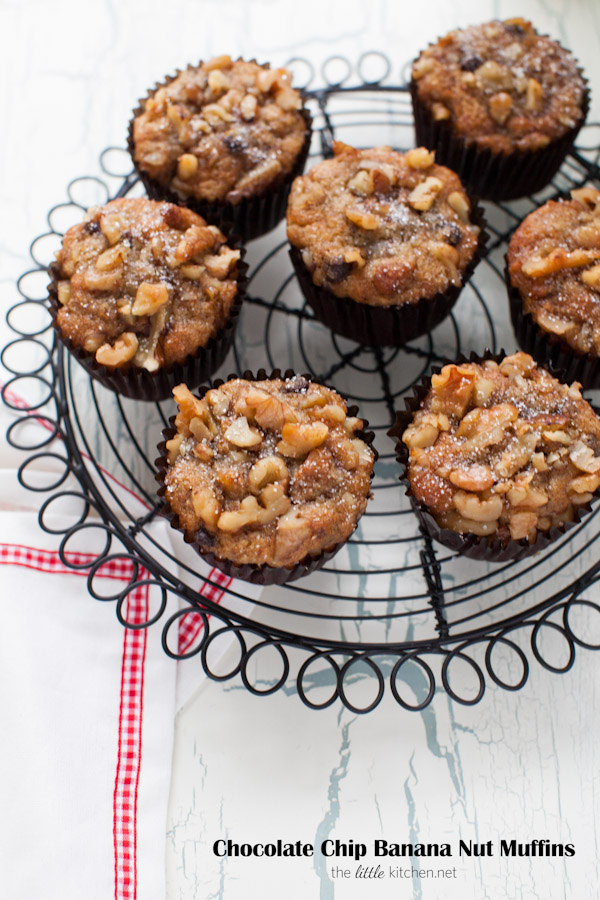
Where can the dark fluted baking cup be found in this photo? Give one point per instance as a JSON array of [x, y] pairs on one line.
[[139, 384], [386, 326], [265, 574], [493, 176], [252, 216], [546, 347], [489, 549]]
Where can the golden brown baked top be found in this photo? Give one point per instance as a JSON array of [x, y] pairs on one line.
[[503, 450], [144, 283], [382, 227], [221, 131], [267, 472], [502, 85], [554, 263]]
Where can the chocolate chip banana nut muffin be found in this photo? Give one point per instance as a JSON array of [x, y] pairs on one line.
[[501, 104], [553, 276], [500, 456], [266, 477], [382, 242], [226, 138], [146, 292]]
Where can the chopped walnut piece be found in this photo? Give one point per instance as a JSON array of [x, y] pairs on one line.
[[118, 354], [241, 434], [591, 277], [196, 239], [207, 507], [474, 478], [584, 458], [64, 292], [522, 524], [173, 448], [149, 298], [459, 203], [541, 266], [440, 112], [424, 194], [535, 95], [500, 107], [268, 410], [267, 470], [298, 440], [420, 158], [474, 507], [187, 166], [365, 220], [221, 265]]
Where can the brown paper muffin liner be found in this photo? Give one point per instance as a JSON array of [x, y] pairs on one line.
[[546, 347], [252, 216], [493, 176], [139, 384], [489, 549], [265, 574], [386, 326]]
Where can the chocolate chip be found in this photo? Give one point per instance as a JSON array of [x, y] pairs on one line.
[[470, 62], [453, 235], [92, 227], [337, 270], [235, 143], [296, 385]]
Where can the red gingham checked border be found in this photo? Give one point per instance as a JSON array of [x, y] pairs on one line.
[[129, 753], [191, 624], [132, 676]]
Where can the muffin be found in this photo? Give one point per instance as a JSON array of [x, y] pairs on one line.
[[553, 278], [265, 476], [501, 104], [225, 138], [145, 293], [382, 242], [500, 457]]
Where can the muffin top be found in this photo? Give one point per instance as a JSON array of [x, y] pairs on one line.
[[382, 227], [503, 450], [267, 472], [143, 283], [221, 131], [554, 263], [502, 85]]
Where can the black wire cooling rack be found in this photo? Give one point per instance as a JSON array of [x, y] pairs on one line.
[[392, 607]]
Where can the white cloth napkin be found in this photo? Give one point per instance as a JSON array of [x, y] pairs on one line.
[[87, 708]]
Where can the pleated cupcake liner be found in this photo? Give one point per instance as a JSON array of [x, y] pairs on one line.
[[256, 574], [385, 326], [252, 217], [488, 549], [489, 175], [138, 384], [546, 347]]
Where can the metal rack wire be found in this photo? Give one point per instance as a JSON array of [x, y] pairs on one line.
[[391, 606]]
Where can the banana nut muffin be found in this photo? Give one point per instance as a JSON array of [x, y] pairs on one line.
[[266, 472], [221, 131], [503, 85], [502, 105], [143, 284], [503, 450], [382, 228], [554, 266]]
